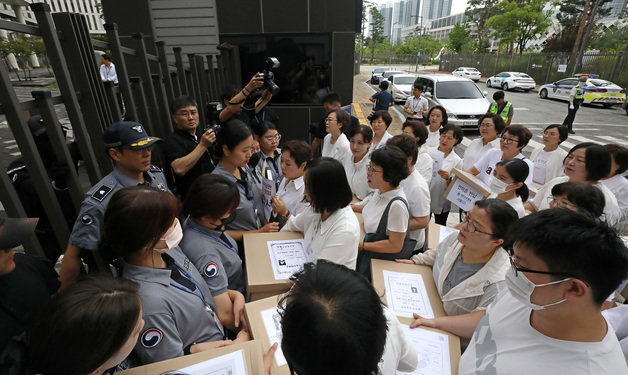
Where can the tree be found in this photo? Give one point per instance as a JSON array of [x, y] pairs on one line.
[[478, 13], [569, 15], [458, 39], [410, 46], [377, 29], [612, 40], [519, 21]]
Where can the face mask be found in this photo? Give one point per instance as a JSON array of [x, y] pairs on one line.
[[521, 288], [172, 239], [497, 186], [226, 221]]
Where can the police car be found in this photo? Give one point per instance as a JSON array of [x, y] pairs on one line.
[[596, 90]]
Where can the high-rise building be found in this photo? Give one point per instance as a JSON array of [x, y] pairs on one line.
[[616, 7], [435, 9]]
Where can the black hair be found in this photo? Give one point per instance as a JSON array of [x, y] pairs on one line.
[[262, 128], [83, 326], [588, 199], [563, 132], [575, 244], [211, 195], [327, 185], [419, 87], [620, 155], [384, 85], [182, 101], [518, 171], [333, 322], [457, 132], [498, 95], [442, 110], [407, 144], [366, 131], [229, 92], [106, 56], [342, 117], [300, 151], [498, 121], [502, 217], [418, 129], [393, 162], [331, 98], [524, 134], [597, 160], [231, 134], [384, 115]]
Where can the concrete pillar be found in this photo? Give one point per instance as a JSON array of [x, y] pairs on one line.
[[11, 61], [19, 14]]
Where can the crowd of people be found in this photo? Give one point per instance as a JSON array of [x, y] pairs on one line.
[[525, 275]]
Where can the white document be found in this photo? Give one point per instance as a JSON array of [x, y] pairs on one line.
[[272, 323], [287, 257], [406, 294], [444, 232], [228, 364], [432, 349], [438, 157]]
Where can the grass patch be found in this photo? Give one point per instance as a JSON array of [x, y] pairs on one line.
[[52, 86]]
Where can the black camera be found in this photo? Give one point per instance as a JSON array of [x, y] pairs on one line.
[[212, 109], [268, 75]]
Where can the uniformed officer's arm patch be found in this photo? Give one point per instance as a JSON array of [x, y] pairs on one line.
[[101, 193], [211, 269], [151, 338]]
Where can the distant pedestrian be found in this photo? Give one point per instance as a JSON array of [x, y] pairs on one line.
[[108, 74], [416, 106], [576, 97], [382, 99], [502, 107]]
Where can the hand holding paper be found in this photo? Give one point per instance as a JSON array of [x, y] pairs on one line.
[[443, 174]]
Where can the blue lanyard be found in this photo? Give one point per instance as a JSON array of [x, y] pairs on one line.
[[220, 241], [187, 276]]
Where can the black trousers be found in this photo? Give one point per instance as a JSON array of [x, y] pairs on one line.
[[441, 218], [571, 114]]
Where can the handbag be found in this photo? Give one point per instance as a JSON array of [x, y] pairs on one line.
[[363, 265]]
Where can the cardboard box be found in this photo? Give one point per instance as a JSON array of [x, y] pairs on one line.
[[377, 268], [253, 358], [261, 281], [253, 316], [464, 190], [433, 234]]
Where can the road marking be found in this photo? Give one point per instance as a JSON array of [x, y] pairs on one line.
[[613, 139], [358, 113], [582, 139], [11, 147], [522, 109], [10, 141], [535, 144], [567, 145]]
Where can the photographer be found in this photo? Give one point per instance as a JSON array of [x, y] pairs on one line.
[[188, 154], [233, 101]]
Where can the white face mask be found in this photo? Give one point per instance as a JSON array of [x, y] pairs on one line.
[[172, 239], [521, 288], [497, 186]]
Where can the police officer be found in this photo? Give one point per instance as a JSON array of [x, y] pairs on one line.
[[501, 107], [576, 97], [130, 147]]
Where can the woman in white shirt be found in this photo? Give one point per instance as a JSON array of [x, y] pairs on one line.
[[508, 183], [490, 125], [330, 228], [447, 159], [587, 163], [470, 266], [548, 161], [617, 183], [380, 122], [360, 139], [424, 162], [336, 144], [436, 119], [289, 199]]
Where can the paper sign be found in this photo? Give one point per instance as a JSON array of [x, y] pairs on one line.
[[272, 323], [463, 195], [228, 364], [444, 232], [406, 294], [438, 157], [286, 257], [432, 349], [562, 68], [268, 192], [538, 174]]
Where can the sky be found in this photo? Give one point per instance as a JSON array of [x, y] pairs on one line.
[[458, 6]]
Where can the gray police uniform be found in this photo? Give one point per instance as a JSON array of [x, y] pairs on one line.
[[215, 259], [249, 213], [175, 316], [87, 229]]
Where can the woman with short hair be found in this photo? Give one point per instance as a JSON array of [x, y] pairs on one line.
[[360, 139], [490, 125], [579, 197], [380, 122], [548, 160], [335, 143], [289, 199], [424, 162]]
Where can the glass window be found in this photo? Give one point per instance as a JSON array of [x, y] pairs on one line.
[[457, 90]]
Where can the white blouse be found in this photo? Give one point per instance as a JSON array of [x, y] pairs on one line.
[[382, 142], [438, 203], [356, 175], [476, 150], [291, 192], [547, 165], [424, 164], [373, 210], [338, 150]]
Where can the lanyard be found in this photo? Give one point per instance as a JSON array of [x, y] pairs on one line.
[[206, 233], [201, 296]]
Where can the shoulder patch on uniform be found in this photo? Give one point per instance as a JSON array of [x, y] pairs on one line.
[[210, 270], [87, 219], [154, 168], [101, 193], [151, 338]]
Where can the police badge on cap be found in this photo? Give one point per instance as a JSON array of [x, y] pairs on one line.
[[128, 134]]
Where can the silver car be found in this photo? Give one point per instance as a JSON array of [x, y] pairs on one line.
[[462, 98], [401, 86]]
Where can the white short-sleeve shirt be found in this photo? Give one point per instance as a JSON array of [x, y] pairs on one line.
[[291, 192], [398, 215], [433, 138], [418, 193], [486, 165], [338, 150], [476, 150], [424, 164], [381, 143]]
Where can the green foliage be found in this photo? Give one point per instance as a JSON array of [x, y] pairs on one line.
[[22, 46], [377, 29], [518, 21], [478, 13], [459, 40], [568, 16], [613, 39], [410, 46]]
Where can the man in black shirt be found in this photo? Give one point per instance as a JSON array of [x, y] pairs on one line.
[[188, 154]]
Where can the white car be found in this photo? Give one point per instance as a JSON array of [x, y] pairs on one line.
[[462, 98], [389, 73], [471, 73], [596, 91], [401, 86], [511, 80]]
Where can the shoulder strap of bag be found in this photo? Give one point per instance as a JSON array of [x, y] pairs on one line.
[[383, 222]]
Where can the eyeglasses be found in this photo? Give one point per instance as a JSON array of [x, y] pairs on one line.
[[517, 269], [273, 139], [485, 126], [509, 140], [329, 119], [371, 170], [470, 227], [186, 113], [559, 202]]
